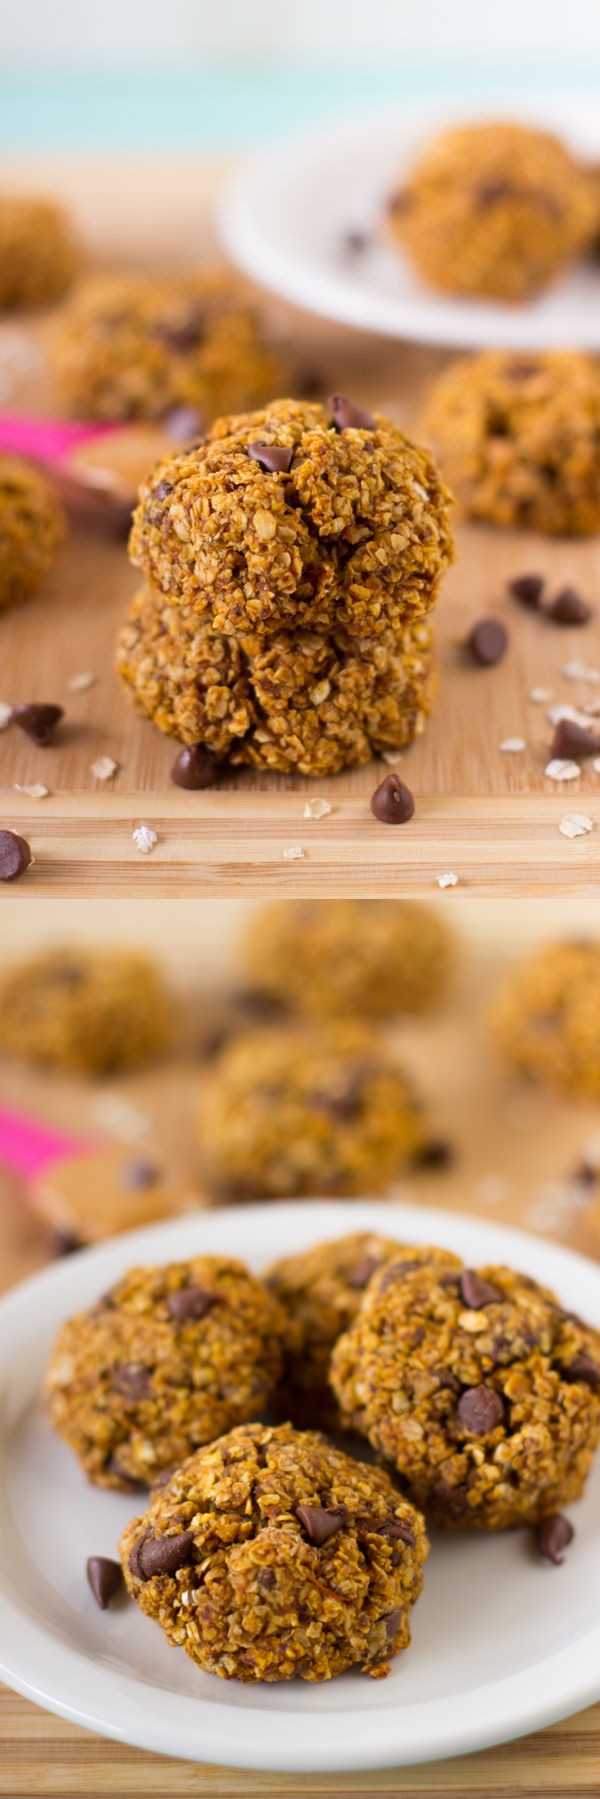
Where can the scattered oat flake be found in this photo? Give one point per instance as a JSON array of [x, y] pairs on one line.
[[5, 715], [492, 1189], [562, 771], [579, 671], [120, 1116], [295, 854], [316, 809], [144, 838], [512, 745], [391, 757], [104, 768], [575, 824], [539, 695], [36, 791], [80, 683], [571, 713], [447, 880]]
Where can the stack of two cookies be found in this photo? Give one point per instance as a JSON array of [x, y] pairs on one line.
[[292, 559]]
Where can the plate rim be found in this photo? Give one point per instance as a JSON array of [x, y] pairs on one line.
[[577, 1682]]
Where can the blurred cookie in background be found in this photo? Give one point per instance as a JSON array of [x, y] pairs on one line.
[[92, 1011], [546, 1020], [367, 958]]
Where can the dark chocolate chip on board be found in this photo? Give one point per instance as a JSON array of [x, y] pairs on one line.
[[38, 721], [528, 590], [487, 642], [392, 802], [568, 608], [552, 1535], [15, 856], [195, 768], [104, 1577], [572, 741]]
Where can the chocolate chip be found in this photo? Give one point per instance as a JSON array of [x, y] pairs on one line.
[[491, 191], [449, 1380], [522, 370], [392, 1528], [392, 802], [162, 491], [64, 1243], [15, 856], [476, 1292], [391, 1621], [195, 768], [132, 1380], [116, 1467], [190, 1302], [568, 608], [161, 1555], [396, 1271], [572, 741], [582, 1368], [355, 242], [273, 459], [38, 721], [480, 1409], [553, 1534], [528, 590], [321, 1522], [164, 1476], [586, 1174], [435, 1153], [399, 202], [451, 1500], [266, 1577], [184, 334], [487, 642], [361, 1275], [104, 1577], [139, 1174], [348, 417], [183, 424]]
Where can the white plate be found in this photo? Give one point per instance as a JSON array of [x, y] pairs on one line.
[[502, 1643], [285, 215]]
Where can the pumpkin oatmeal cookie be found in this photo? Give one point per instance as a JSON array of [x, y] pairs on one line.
[[167, 1360], [363, 957], [270, 1554], [294, 701], [480, 1390], [547, 1019], [89, 1010], [519, 439], [321, 1291], [493, 211], [286, 1112], [298, 518], [39, 257], [32, 527], [136, 347]]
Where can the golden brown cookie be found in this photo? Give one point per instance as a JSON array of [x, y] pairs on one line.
[[32, 526], [547, 1018], [368, 958], [90, 1010], [39, 256]]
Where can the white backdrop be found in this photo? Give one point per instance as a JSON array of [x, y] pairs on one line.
[[455, 34]]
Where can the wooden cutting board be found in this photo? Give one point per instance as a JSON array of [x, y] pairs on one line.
[[514, 1148], [490, 817]]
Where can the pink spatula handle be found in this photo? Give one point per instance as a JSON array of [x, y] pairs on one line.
[[29, 1148], [44, 440]]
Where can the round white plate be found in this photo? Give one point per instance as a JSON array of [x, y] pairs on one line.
[[285, 215], [502, 1643]]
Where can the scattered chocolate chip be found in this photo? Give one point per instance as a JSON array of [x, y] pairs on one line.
[[321, 1522], [132, 1380], [435, 1153], [162, 491], [104, 1577], [356, 242], [361, 1275], [15, 856], [190, 1302], [266, 1577], [487, 642], [195, 768], [528, 590], [480, 1409], [38, 721], [348, 417], [161, 1555], [568, 608], [553, 1534], [571, 741], [391, 1621], [392, 802], [183, 424], [64, 1243], [582, 1368], [273, 459], [475, 1291], [139, 1174], [586, 1175]]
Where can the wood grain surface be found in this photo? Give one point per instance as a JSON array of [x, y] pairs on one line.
[[488, 816], [515, 1151]]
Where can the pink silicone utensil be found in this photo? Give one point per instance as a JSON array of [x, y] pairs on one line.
[[29, 1149], [106, 463]]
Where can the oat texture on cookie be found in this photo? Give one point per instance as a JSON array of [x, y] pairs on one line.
[[271, 1554]]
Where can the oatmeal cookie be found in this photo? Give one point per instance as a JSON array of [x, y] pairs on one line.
[[321, 1291], [547, 1019], [494, 211], [270, 1554], [135, 347], [519, 438], [89, 1010], [32, 527], [478, 1387], [298, 518], [364, 957], [286, 1112], [39, 256], [293, 702], [167, 1360]]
